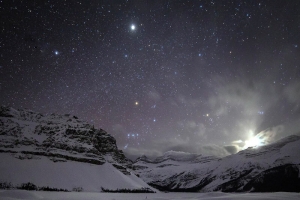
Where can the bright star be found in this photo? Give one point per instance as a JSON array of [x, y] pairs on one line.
[[136, 103], [56, 52], [132, 27]]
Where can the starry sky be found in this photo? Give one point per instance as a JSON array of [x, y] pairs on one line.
[[196, 76]]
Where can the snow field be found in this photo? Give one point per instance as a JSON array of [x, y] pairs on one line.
[[36, 195], [65, 175]]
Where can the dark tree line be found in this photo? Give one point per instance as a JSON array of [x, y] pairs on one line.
[[30, 186], [140, 190]]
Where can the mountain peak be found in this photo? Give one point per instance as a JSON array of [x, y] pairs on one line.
[[41, 149], [254, 169], [23, 130]]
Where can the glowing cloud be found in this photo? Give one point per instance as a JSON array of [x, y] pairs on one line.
[[253, 141]]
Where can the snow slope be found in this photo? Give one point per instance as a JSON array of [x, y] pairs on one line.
[[245, 171], [67, 175]]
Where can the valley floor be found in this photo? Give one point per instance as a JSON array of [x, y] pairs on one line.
[[34, 195]]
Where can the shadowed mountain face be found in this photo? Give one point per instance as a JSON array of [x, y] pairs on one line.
[[269, 168], [281, 178]]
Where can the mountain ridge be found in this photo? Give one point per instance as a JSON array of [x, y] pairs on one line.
[[244, 171], [64, 152], [66, 144]]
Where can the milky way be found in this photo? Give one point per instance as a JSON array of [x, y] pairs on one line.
[[196, 76]]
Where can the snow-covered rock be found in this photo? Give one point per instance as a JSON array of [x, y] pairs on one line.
[[264, 168], [60, 151]]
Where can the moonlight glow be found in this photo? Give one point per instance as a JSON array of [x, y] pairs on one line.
[[254, 141]]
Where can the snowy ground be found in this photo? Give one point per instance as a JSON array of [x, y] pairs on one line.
[[33, 195], [41, 171]]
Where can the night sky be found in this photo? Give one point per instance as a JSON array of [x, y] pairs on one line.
[[196, 76]]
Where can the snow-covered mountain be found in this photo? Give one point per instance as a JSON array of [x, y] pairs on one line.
[[273, 167], [60, 151]]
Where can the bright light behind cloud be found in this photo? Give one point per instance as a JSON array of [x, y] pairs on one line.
[[253, 141]]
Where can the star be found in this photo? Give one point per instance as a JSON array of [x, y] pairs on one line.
[[168, 73], [132, 27]]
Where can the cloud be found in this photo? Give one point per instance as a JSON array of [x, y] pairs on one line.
[[238, 109], [189, 145], [133, 153], [214, 150], [188, 101], [248, 97], [194, 129], [241, 105], [232, 149], [161, 146], [292, 92], [277, 132], [241, 108], [194, 147], [154, 95], [118, 128], [269, 135]]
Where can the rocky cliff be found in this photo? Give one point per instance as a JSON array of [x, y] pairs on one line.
[[32, 139]]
